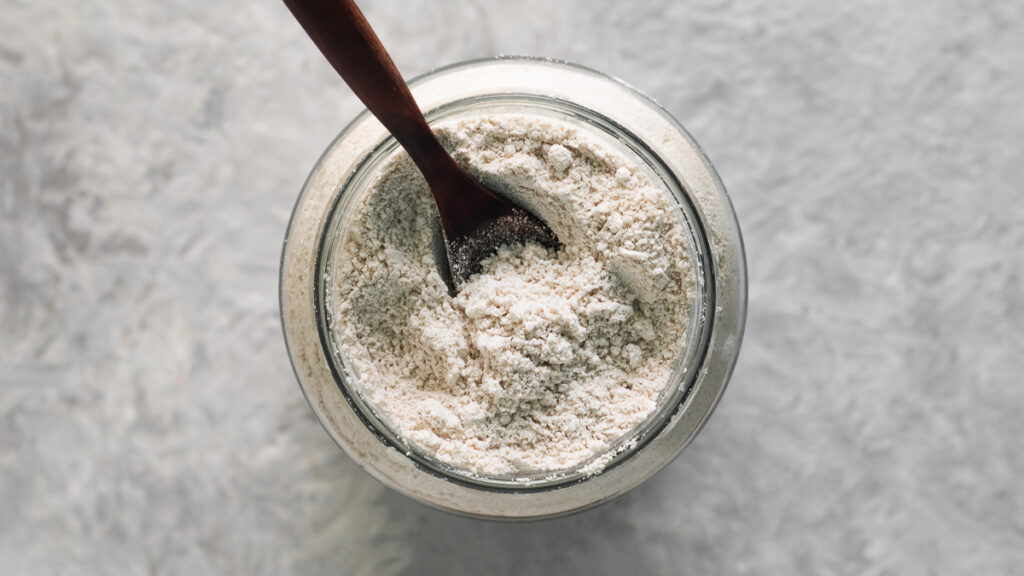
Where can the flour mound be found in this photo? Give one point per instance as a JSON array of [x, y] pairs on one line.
[[545, 358]]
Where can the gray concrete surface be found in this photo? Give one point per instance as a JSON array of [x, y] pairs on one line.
[[149, 420]]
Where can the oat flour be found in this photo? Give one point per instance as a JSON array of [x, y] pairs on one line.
[[544, 359]]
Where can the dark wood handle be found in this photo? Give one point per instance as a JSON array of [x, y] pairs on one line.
[[344, 36]]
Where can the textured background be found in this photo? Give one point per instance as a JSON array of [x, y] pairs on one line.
[[150, 153]]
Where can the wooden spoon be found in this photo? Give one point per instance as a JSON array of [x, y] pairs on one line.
[[475, 220]]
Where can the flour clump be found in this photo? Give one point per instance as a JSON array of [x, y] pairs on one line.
[[545, 359]]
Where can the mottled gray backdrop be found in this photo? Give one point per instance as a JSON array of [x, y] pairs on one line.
[[150, 153]]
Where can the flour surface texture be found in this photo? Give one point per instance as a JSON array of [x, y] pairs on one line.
[[545, 358]]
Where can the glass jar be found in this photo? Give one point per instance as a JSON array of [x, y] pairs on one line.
[[607, 110]]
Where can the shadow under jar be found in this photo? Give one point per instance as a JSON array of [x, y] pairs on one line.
[[619, 118]]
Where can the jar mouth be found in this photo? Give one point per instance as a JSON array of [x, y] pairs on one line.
[[684, 370]]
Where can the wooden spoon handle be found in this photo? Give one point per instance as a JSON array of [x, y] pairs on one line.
[[344, 36]]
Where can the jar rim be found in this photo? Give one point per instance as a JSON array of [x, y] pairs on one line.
[[678, 383], [542, 498]]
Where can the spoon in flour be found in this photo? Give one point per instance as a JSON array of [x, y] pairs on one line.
[[475, 220]]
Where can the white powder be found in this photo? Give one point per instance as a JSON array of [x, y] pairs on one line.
[[544, 359]]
